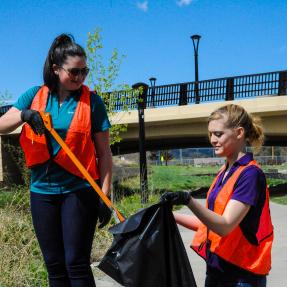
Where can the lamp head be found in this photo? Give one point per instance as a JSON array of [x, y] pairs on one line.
[[152, 81], [195, 37]]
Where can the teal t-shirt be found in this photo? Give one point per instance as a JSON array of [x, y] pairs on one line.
[[50, 178]]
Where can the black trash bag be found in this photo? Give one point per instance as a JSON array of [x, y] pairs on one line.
[[147, 251]]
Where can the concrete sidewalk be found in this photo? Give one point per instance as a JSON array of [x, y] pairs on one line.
[[279, 254]]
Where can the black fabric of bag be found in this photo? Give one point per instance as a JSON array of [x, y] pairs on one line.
[[147, 251]]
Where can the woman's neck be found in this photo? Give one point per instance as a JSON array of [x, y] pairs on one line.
[[230, 160], [62, 94]]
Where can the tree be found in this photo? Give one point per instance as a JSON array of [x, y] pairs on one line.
[[166, 155], [102, 79], [4, 97]]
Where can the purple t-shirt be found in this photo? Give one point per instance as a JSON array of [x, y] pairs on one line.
[[250, 188]]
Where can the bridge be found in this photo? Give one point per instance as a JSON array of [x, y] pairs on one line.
[[186, 126], [176, 115]]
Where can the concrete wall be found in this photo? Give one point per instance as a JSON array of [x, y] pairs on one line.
[[1, 162], [10, 170]]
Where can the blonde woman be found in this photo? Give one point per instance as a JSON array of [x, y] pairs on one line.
[[234, 232]]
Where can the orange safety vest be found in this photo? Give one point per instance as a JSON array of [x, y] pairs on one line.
[[78, 138], [234, 247]]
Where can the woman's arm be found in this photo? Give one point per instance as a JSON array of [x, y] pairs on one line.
[[104, 155], [188, 221], [10, 121], [223, 224]]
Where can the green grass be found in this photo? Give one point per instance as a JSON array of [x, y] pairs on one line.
[[5, 198], [275, 181], [281, 199], [131, 204], [278, 167], [21, 261], [175, 178]]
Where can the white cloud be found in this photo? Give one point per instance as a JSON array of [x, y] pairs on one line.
[[181, 3], [143, 6]]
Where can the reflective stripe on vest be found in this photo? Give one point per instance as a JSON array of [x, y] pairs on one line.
[[235, 248], [78, 138]]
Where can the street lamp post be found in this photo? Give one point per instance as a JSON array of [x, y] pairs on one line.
[[195, 42], [152, 84], [142, 145]]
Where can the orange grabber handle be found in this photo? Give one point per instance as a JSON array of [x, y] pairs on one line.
[[48, 124]]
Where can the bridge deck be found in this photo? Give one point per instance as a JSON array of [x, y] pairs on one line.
[[186, 126]]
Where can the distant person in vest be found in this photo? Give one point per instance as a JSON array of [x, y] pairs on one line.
[[65, 208], [234, 232]]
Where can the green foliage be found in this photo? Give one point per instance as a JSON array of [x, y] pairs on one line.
[[4, 96], [102, 78], [165, 155]]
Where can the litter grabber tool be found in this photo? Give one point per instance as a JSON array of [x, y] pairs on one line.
[[48, 124]]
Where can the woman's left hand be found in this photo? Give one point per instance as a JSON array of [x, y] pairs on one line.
[[105, 214], [176, 197]]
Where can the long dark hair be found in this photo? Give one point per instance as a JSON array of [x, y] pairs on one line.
[[63, 46]]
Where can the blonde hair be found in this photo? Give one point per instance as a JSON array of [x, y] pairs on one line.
[[237, 116]]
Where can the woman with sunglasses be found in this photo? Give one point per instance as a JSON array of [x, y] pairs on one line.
[[234, 232], [65, 209]]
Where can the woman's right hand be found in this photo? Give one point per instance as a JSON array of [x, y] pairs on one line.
[[34, 120], [104, 214]]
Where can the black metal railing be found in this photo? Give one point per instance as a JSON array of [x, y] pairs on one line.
[[222, 89], [4, 109]]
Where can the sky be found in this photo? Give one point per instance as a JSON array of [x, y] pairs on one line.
[[238, 37]]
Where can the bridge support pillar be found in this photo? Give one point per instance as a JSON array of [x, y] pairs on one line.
[[183, 95], [282, 89], [1, 162], [229, 89]]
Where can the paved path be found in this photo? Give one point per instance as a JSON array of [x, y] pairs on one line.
[[279, 254]]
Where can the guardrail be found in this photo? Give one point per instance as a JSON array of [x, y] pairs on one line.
[[221, 89], [4, 109]]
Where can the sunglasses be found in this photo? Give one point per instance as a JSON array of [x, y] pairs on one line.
[[76, 72]]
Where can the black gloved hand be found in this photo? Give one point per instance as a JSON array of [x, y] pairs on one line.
[[176, 198], [105, 214], [34, 120]]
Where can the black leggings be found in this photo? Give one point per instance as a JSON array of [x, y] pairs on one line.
[[65, 226]]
